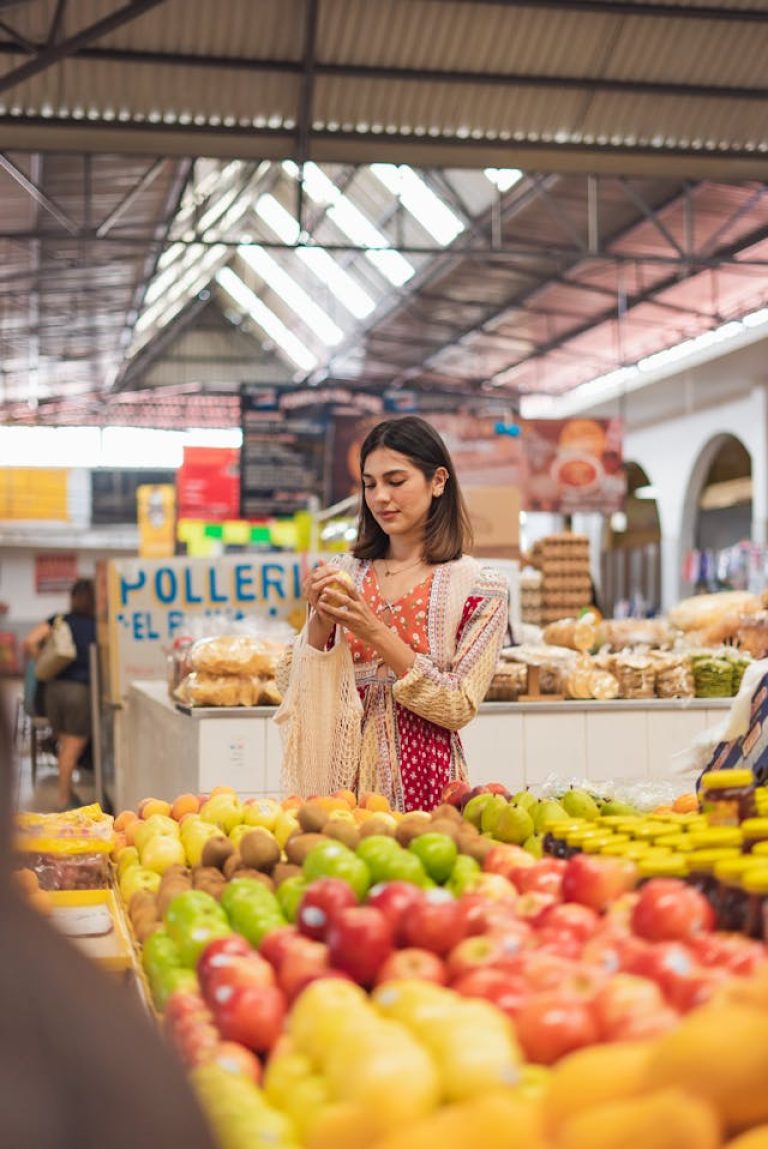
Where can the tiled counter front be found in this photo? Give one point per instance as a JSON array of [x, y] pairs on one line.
[[169, 752]]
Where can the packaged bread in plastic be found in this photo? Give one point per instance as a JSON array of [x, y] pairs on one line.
[[619, 633], [575, 633], [587, 682], [238, 654], [199, 689], [714, 618]]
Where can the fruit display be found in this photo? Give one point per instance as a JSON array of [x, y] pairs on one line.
[[520, 970], [67, 851]]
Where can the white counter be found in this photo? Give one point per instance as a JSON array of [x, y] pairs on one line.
[[168, 752]]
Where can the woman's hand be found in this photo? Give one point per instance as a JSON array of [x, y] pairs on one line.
[[349, 609], [320, 623]]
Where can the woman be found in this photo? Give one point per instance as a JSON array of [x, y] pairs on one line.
[[68, 696], [423, 622]]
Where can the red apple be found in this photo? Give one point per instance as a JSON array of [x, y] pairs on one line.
[[395, 900], [505, 859], [497, 788], [235, 1058], [359, 942], [486, 915], [276, 944], [507, 992], [252, 1015], [614, 952], [230, 965], [559, 942], [413, 963], [543, 877], [569, 917], [181, 1004], [528, 907], [732, 952], [492, 949], [194, 1039], [648, 1025], [438, 923], [681, 979], [453, 792], [596, 882], [668, 910], [553, 1024], [301, 965], [623, 999], [321, 902]]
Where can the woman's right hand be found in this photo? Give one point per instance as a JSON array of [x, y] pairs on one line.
[[320, 624]]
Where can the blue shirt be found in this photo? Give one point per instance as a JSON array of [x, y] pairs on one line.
[[84, 633]]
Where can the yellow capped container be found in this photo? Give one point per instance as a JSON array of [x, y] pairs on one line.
[[728, 796], [617, 847], [754, 830], [595, 843], [669, 866], [616, 821], [755, 881], [730, 871], [760, 850], [704, 861], [650, 830], [637, 850], [716, 837], [680, 842]]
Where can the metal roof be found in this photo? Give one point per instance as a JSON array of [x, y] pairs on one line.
[[138, 139]]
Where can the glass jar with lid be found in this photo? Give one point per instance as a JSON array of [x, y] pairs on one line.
[[701, 868], [754, 831], [661, 866], [731, 899], [728, 796], [754, 883]]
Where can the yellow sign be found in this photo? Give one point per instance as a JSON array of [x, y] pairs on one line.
[[156, 516], [34, 493]]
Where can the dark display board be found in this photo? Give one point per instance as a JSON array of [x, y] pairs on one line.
[[281, 464], [113, 493]]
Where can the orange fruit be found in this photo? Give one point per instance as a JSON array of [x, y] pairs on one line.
[[184, 804]]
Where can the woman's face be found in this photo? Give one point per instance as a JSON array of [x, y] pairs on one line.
[[397, 493]]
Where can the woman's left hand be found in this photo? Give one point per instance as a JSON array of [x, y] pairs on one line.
[[349, 609]]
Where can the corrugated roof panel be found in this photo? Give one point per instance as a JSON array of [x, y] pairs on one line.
[[683, 52], [646, 118]]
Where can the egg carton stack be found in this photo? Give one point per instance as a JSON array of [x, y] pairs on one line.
[[565, 583], [530, 597]]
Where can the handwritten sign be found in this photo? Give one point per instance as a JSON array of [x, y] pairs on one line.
[[151, 603]]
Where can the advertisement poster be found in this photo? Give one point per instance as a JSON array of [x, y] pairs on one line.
[[208, 484], [55, 573], [156, 518], [558, 465]]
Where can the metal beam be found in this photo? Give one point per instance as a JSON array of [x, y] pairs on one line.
[[306, 99], [110, 220], [53, 53], [38, 195], [628, 8], [54, 28]]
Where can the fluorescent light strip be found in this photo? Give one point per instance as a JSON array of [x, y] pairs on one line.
[[351, 221], [419, 199], [291, 293], [319, 262], [270, 324]]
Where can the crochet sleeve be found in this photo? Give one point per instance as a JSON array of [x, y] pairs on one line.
[[450, 697]]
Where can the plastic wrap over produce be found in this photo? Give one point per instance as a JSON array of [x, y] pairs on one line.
[[641, 795]]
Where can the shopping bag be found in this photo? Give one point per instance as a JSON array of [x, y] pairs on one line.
[[320, 720], [57, 652]]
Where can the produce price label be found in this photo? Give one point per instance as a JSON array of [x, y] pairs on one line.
[[151, 603]]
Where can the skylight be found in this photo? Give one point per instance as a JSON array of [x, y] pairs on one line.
[[319, 262], [295, 296], [503, 178], [351, 221], [419, 199], [266, 319]]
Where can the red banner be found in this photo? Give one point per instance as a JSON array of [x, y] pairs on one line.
[[208, 484]]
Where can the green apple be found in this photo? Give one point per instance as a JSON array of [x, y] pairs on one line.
[[513, 824], [378, 851], [169, 981], [251, 908], [463, 875], [437, 853], [248, 891], [289, 895], [491, 813], [159, 952], [138, 878], [223, 810], [473, 811], [406, 867], [261, 812], [192, 920], [161, 852], [335, 860]]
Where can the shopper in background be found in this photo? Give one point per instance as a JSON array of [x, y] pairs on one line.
[[81, 1064], [68, 696], [424, 623]]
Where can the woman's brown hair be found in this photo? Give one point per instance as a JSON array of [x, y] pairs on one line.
[[448, 533], [82, 597]]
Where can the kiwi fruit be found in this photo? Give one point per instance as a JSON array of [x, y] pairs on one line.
[[144, 927], [167, 893], [345, 832], [257, 875], [477, 847], [446, 810], [216, 851], [284, 870], [312, 817], [234, 862], [259, 850], [445, 826], [175, 871], [377, 825], [407, 831], [298, 846], [203, 874], [142, 900]]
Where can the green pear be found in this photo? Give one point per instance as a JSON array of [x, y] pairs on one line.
[[615, 808], [473, 811], [491, 814], [534, 845], [525, 799], [548, 810], [580, 804], [513, 824]]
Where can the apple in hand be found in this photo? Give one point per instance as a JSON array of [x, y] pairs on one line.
[[596, 882], [552, 1024], [252, 1015], [438, 923], [359, 942], [319, 905], [668, 910], [412, 963]]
